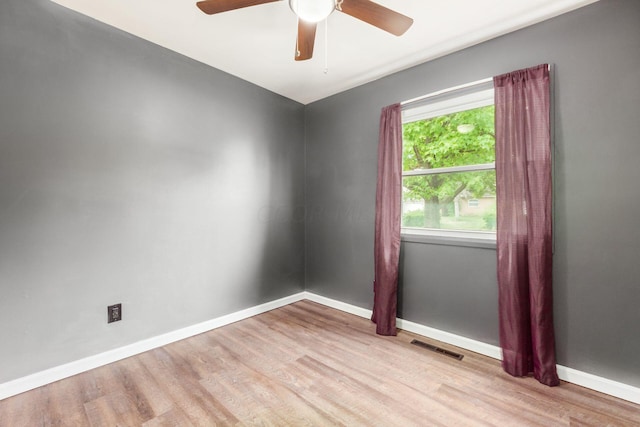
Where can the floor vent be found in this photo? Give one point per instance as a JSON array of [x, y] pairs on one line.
[[437, 349]]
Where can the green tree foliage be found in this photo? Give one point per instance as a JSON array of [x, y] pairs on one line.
[[444, 142]]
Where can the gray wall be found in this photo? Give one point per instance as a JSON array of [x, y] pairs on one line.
[[595, 52], [132, 174]]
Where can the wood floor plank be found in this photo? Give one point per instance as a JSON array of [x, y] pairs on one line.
[[574, 405], [174, 417], [528, 415], [13, 410], [114, 409], [313, 390], [142, 387], [188, 394], [307, 364], [388, 409], [62, 406]]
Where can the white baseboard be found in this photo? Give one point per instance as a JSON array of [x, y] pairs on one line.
[[601, 384], [38, 379], [339, 305], [57, 373], [584, 379], [449, 338]]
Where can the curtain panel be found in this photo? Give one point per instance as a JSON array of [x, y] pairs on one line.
[[387, 225], [524, 234]]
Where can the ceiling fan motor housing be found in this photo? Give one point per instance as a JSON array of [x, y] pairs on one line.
[[312, 10]]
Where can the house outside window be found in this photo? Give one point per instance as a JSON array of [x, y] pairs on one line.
[[448, 174], [473, 203]]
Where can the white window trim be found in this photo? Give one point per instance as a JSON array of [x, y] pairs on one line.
[[449, 237], [428, 110], [429, 107], [452, 169]]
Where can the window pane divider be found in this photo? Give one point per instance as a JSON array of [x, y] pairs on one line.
[[452, 169]]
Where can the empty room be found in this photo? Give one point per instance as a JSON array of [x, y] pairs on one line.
[[319, 212]]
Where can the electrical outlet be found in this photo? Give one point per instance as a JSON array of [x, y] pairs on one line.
[[114, 313]]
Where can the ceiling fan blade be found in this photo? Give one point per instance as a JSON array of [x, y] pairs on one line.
[[306, 40], [211, 7], [377, 15]]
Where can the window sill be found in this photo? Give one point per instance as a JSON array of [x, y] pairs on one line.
[[449, 238]]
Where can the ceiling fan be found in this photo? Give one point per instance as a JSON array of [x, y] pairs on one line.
[[310, 12]]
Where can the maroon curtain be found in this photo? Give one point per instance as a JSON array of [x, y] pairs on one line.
[[524, 245], [387, 237]]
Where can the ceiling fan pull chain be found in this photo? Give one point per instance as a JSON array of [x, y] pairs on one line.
[[326, 46], [297, 37]]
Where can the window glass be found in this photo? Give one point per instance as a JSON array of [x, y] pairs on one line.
[[449, 166], [452, 201]]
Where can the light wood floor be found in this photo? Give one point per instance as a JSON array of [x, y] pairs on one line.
[[306, 364]]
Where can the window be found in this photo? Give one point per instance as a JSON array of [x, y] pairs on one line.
[[448, 164]]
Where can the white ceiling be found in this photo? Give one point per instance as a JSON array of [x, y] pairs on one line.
[[257, 43]]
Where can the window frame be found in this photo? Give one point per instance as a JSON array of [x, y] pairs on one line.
[[465, 97]]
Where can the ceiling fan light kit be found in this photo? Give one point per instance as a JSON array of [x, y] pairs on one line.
[[310, 12]]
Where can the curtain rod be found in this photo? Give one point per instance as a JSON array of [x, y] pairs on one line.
[[452, 89], [442, 92]]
